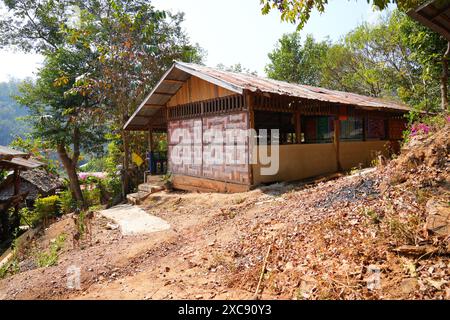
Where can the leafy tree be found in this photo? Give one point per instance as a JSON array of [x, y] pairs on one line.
[[295, 62], [299, 11], [431, 53], [395, 58], [136, 45], [112, 55], [67, 120], [39, 149]]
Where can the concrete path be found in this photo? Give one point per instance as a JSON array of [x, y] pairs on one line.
[[132, 220]]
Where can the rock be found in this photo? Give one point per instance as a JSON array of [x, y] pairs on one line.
[[289, 266], [307, 285], [166, 269], [409, 285], [438, 218], [112, 226], [437, 284], [198, 296]]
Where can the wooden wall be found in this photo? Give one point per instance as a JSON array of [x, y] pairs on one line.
[[236, 173], [196, 89]]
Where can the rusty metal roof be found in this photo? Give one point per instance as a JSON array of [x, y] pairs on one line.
[[434, 14], [175, 77], [22, 163]]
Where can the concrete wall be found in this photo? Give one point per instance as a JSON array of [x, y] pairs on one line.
[[354, 153], [300, 161]]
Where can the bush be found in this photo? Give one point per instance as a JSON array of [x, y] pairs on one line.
[[93, 196], [112, 189], [48, 259], [47, 207], [67, 203], [29, 217]]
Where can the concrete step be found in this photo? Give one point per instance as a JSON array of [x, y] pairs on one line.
[[137, 198], [150, 188]]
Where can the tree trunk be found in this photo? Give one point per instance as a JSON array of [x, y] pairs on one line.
[[126, 162], [444, 79], [70, 166]]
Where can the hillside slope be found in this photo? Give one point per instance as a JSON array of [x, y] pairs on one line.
[[377, 234]]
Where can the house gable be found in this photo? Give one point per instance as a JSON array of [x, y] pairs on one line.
[[196, 89]]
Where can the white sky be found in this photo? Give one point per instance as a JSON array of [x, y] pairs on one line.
[[231, 31]]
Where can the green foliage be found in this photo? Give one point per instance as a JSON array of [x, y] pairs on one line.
[[96, 70], [95, 165], [28, 217], [81, 223], [295, 62], [67, 203], [50, 258], [45, 208], [93, 196], [12, 267], [39, 149], [299, 11], [3, 175], [395, 58]]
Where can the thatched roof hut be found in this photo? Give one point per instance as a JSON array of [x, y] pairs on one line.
[[36, 182]]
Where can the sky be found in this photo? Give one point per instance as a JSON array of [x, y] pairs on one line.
[[231, 31]]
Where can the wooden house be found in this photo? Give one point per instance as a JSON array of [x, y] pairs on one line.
[[320, 131]]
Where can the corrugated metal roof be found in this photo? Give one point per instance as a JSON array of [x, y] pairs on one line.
[[22, 163], [259, 84], [174, 78]]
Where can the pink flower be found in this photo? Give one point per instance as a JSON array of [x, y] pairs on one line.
[[420, 128]]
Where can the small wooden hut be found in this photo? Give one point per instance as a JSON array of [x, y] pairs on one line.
[[16, 161]]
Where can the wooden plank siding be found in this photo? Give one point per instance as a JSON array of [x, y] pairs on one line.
[[195, 90]]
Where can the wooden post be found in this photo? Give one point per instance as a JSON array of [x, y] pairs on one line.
[[150, 150], [365, 126], [250, 125], [150, 140], [337, 137], [16, 218], [298, 127]]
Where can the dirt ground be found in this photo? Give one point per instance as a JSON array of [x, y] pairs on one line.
[[337, 239]]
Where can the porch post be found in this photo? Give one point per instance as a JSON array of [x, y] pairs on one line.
[[16, 218], [298, 127], [337, 138], [150, 150]]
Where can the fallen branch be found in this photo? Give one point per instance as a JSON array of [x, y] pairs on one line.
[[263, 271], [421, 250]]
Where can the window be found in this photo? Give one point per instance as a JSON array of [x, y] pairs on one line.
[[317, 129], [376, 129], [283, 121], [352, 129]]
